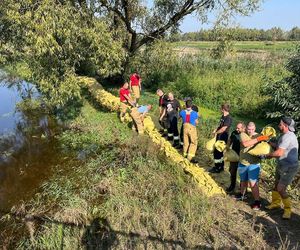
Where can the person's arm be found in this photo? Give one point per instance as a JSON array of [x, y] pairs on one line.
[[140, 83], [221, 130], [128, 98], [196, 121], [229, 142], [276, 154]]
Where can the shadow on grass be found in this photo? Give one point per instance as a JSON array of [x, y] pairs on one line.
[[100, 235]]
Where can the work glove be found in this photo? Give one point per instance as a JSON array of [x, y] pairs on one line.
[[263, 138]]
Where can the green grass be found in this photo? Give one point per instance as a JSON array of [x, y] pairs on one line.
[[240, 45], [124, 194]]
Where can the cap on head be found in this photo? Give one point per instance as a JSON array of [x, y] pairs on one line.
[[289, 122]]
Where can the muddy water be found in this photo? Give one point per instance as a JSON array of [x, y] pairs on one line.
[[28, 150]]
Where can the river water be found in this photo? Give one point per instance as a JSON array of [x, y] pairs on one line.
[[28, 150]]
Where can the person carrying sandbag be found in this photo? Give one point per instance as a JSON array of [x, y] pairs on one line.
[[249, 165], [162, 104], [287, 165], [190, 137], [235, 143], [221, 134]]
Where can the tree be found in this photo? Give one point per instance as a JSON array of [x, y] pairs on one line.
[[57, 41], [286, 93]]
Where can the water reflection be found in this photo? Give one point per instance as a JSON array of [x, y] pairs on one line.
[[27, 148]]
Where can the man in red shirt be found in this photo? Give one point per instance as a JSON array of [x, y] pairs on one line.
[[135, 86], [125, 100]]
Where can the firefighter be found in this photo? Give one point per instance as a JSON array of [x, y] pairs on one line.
[[138, 115], [190, 138], [135, 84], [162, 103]]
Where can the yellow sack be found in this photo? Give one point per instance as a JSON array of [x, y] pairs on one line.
[[210, 145], [231, 155], [220, 145], [261, 148], [269, 131]]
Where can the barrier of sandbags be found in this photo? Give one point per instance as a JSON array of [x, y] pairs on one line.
[[261, 148], [109, 101], [230, 155]]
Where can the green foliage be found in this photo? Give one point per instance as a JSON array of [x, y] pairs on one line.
[[286, 92], [57, 42]]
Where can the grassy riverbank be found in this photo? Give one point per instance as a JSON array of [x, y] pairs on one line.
[[124, 194]]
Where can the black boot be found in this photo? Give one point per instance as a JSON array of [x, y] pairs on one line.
[[175, 143]]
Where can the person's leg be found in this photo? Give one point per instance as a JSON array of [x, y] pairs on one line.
[[243, 172], [170, 130], [276, 198], [193, 142], [175, 132], [137, 119], [287, 175], [233, 171], [123, 108], [254, 171], [181, 135], [186, 141]]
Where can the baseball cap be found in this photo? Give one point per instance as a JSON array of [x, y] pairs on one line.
[[187, 99], [289, 122]]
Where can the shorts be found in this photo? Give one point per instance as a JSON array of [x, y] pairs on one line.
[[249, 173], [285, 174]]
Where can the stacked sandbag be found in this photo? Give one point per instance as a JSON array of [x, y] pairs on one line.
[[210, 145], [206, 183], [230, 155]]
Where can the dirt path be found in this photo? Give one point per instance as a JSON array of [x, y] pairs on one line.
[[277, 232]]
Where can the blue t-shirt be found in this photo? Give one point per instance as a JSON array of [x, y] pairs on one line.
[[193, 116], [142, 109]]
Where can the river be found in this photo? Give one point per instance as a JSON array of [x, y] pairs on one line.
[[28, 149]]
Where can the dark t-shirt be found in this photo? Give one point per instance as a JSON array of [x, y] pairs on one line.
[[236, 141], [225, 121], [172, 108], [163, 101], [195, 108]]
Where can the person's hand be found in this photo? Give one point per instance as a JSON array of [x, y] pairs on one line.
[[263, 138], [262, 157]]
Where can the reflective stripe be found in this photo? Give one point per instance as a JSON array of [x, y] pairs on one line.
[[165, 130], [219, 160], [176, 137], [184, 154], [181, 143], [170, 135], [191, 155]]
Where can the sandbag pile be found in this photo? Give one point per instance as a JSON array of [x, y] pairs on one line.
[[206, 183]]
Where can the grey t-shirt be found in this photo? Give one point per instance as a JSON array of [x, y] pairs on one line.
[[289, 143]]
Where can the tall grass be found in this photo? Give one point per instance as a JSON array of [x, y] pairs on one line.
[[239, 81], [126, 195]]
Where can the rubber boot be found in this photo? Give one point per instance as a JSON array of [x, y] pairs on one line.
[[287, 209], [276, 201]]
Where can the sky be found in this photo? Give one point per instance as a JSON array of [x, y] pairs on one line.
[[284, 14]]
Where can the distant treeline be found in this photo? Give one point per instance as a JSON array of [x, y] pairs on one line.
[[239, 34]]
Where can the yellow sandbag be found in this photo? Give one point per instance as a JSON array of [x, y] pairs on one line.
[[210, 145], [231, 155], [261, 148], [269, 131], [220, 145]]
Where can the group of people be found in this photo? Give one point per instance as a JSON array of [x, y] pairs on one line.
[[241, 140]]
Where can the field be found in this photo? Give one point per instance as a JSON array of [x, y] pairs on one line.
[[240, 46]]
